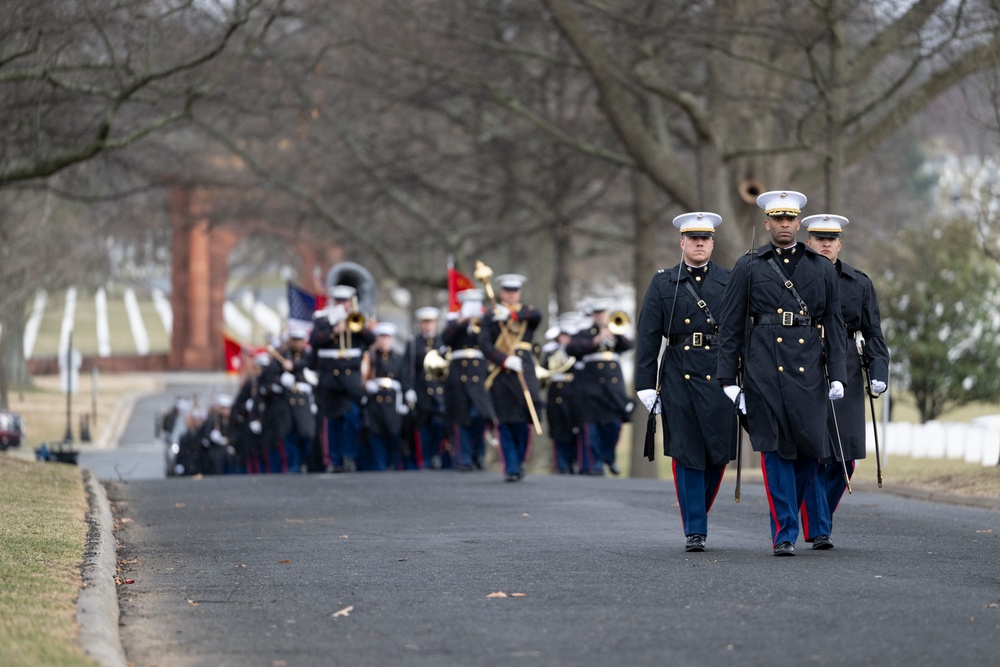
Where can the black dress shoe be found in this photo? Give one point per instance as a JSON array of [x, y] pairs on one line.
[[695, 543], [512, 477], [784, 549], [613, 469], [822, 543]]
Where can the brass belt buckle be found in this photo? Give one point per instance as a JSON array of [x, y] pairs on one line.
[[787, 318], [697, 339]]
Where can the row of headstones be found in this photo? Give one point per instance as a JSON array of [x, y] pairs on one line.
[[975, 442], [269, 319]]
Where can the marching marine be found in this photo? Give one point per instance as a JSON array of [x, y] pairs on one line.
[[782, 334], [601, 392], [505, 339], [301, 430], [429, 409], [468, 403], [561, 410], [868, 354], [338, 352], [699, 423], [385, 403]]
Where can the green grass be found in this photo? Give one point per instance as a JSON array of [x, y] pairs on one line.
[[42, 533]]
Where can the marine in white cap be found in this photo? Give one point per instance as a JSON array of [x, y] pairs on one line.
[[467, 402], [562, 411], [600, 390], [699, 425], [867, 355], [789, 359], [426, 398], [385, 405], [505, 339], [338, 355]]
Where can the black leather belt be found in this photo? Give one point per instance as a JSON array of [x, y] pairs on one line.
[[788, 319], [696, 339]]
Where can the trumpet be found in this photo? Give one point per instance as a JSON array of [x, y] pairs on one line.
[[618, 322], [355, 322]]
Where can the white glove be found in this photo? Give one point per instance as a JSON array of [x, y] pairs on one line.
[[310, 376], [878, 387], [216, 436], [836, 390], [287, 380], [249, 404], [371, 386], [303, 387], [736, 395], [256, 427], [411, 397], [501, 313], [648, 398], [313, 409], [402, 409], [513, 363], [335, 314]]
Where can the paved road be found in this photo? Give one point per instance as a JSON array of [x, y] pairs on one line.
[[137, 454], [253, 570]]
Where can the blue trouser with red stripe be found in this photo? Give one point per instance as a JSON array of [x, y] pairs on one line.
[[696, 491], [823, 497], [786, 482]]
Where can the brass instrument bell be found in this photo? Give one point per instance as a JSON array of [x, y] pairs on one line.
[[618, 322]]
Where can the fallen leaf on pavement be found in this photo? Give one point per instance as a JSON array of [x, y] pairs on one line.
[[180, 505], [192, 603], [519, 595], [343, 537], [286, 561], [236, 567], [343, 612], [498, 594]]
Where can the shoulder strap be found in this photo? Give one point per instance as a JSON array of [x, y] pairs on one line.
[[701, 304], [788, 283]]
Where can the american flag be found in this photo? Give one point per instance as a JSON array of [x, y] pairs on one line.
[[301, 306]]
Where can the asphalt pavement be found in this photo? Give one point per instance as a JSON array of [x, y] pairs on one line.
[[408, 568]]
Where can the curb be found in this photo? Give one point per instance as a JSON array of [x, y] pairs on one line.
[[97, 607]]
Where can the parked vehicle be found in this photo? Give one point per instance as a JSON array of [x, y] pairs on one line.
[[11, 429]]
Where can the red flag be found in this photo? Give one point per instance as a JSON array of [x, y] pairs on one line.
[[456, 283], [234, 355]]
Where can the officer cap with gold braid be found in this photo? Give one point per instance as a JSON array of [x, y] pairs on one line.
[[782, 203], [698, 223], [825, 225]]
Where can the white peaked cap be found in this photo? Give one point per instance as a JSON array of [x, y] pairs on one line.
[[698, 222], [826, 224], [470, 295], [511, 281], [342, 292], [782, 202], [427, 313], [385, 329]]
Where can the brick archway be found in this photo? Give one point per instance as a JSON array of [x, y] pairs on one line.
[[199, 268]]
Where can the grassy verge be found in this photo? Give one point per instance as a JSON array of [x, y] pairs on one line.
[[42, 532], [44, 406]]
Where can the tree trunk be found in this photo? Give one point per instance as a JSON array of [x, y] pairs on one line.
[[644, 204]]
